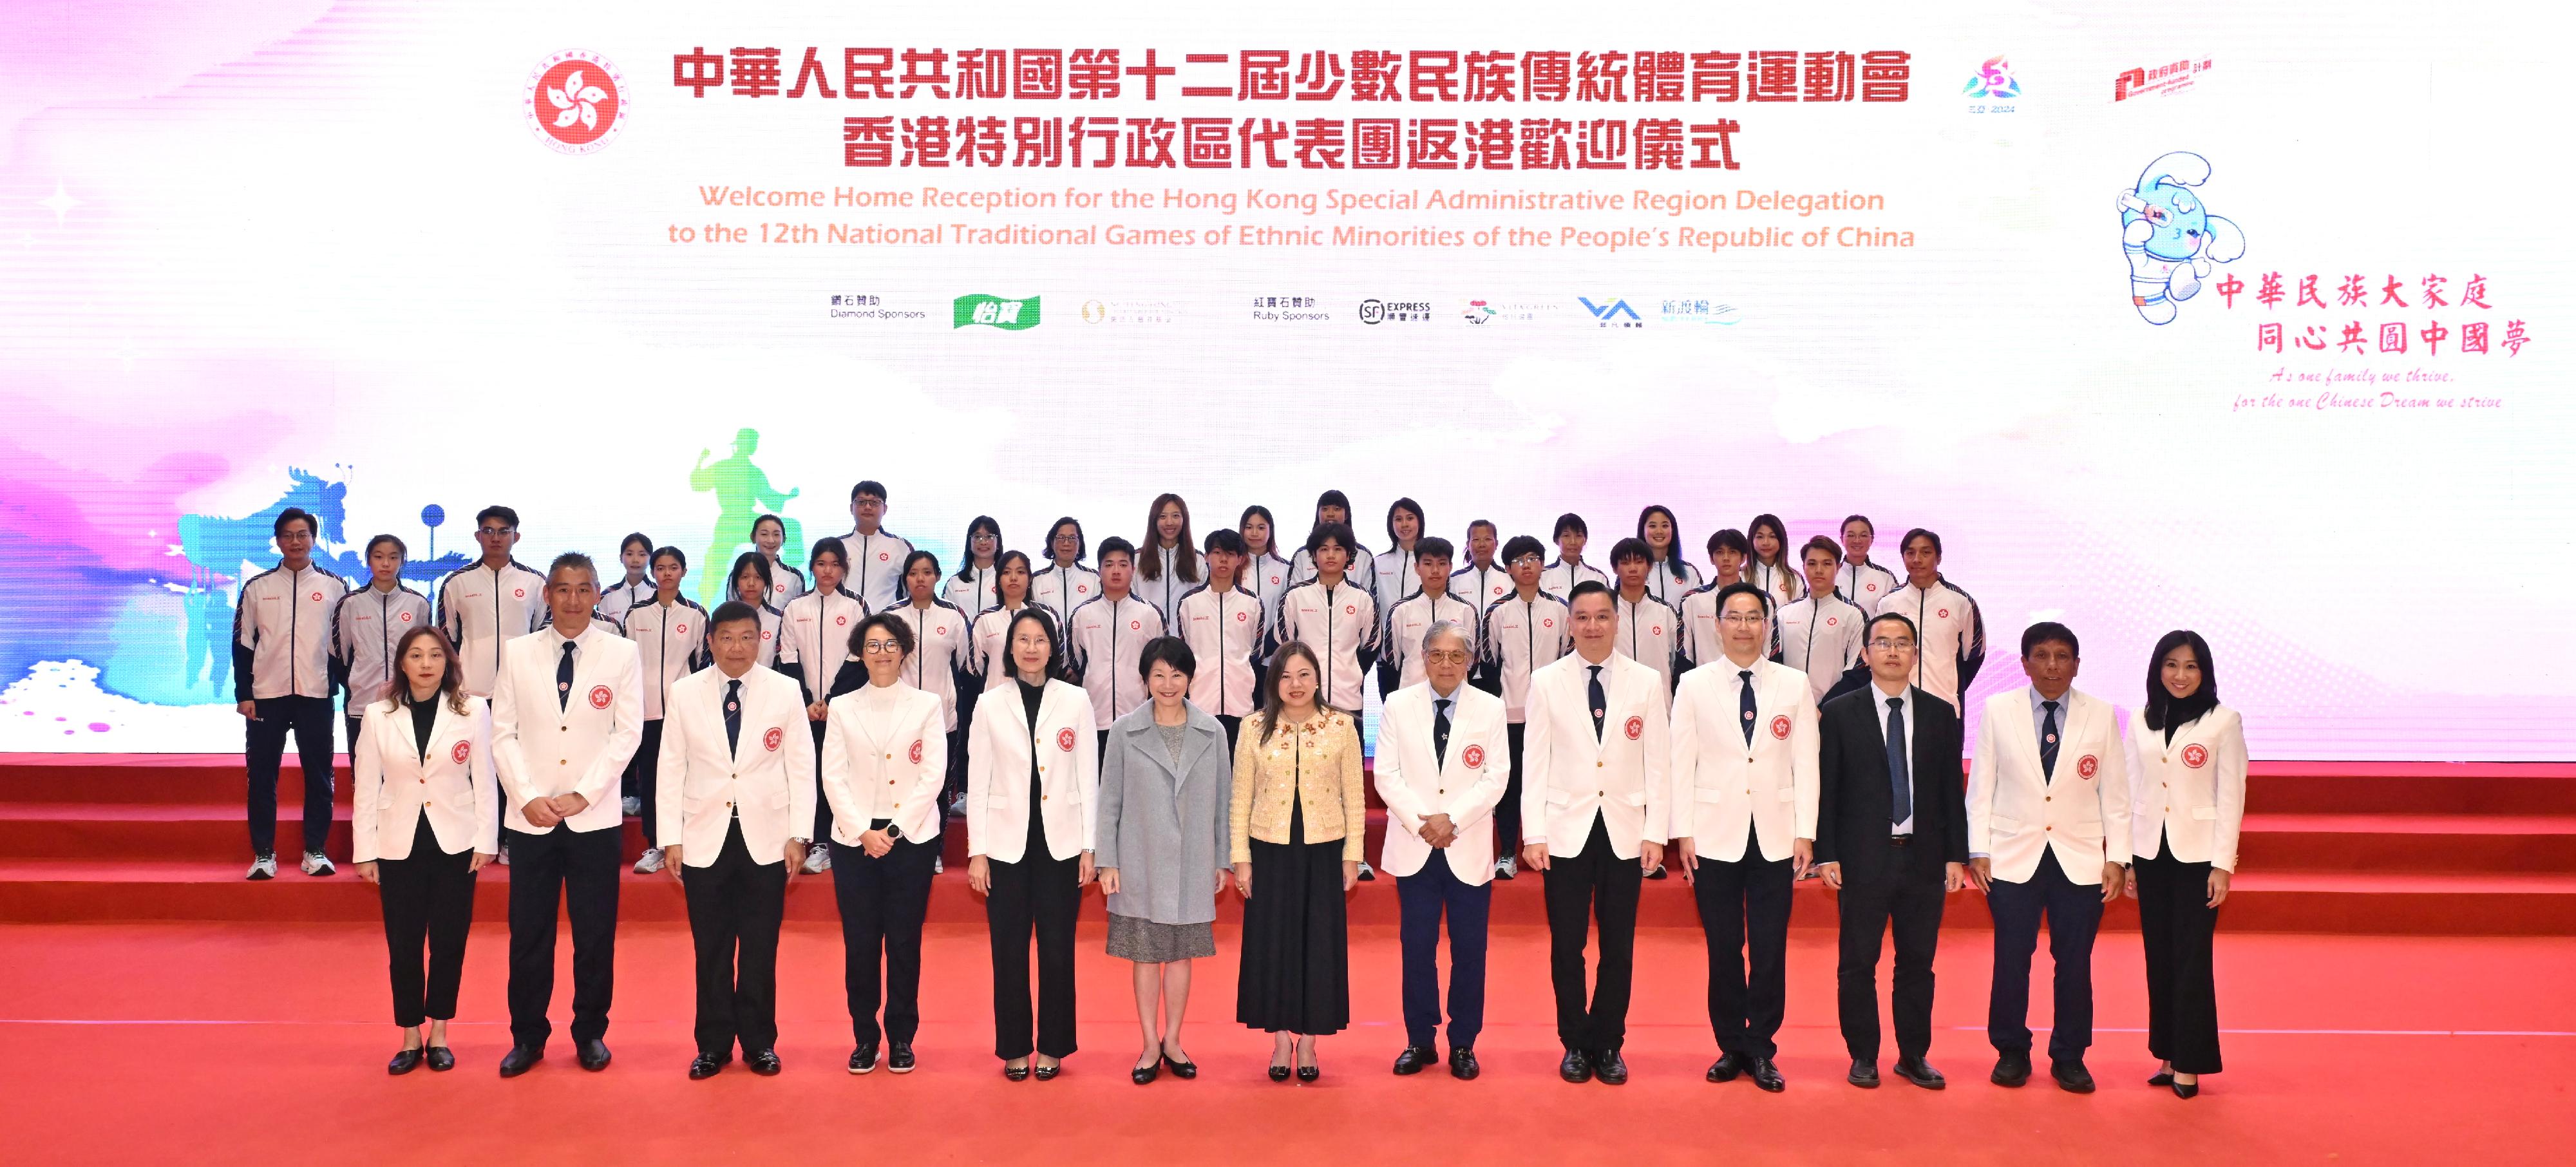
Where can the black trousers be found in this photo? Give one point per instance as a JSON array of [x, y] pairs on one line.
[[428, 896], [1233, 729], [735, 905], [1423, 898], [2180, 930], [822, 801], [264, 747], [1591, 885], [1507, 813], [1038, 895], [579, 870], [1908, 904], [883, 902], [2074, 914], [967, 695], [646, 766], [1744, 910], [353, 723]]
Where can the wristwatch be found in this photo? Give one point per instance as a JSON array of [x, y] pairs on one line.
[[802, 842], [894, 832]]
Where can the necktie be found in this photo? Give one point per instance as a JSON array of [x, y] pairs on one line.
[[1900, 782], [733, 715], [2048, 741], [1600, 702], [1746, 701], [563, 679], [1440, 730]]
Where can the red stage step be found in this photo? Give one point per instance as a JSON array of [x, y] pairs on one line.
[[2327, 847]]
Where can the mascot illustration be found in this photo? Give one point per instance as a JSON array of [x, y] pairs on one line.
[[2172, 239]]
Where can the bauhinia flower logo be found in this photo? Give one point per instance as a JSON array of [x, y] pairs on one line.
[[575, 102]]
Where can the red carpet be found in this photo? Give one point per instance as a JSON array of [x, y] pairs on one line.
[[2328, 847], [262, 1043]]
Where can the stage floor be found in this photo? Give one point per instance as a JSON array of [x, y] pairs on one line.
[[206, 1043]]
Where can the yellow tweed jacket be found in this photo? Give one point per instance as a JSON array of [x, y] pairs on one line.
[[1316, 761]]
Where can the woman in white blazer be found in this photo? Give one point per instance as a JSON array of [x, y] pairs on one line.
[[428, 816], [1032, 775], [2186, 755], [885, 757]]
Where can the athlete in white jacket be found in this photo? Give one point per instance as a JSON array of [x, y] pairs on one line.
[[490, 602]]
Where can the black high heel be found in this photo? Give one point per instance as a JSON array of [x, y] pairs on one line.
[[1310, 1073], [1144, 1075], [2161, 1078], [1279, 1073], [2186, 1089]]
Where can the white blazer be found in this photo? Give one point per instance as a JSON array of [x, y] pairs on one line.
[[2191, 792], [998, 748], [2014, 812], [1465, 785], [1568, 778], [578, 746], [454, 786], [766, 777], [1724, 789], [913, 759]]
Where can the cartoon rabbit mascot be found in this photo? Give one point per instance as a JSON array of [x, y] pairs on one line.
[[2170, 237]]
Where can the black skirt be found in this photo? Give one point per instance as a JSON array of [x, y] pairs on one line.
[[1296, 937]]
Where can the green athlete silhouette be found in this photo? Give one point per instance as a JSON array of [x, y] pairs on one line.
[[742, 492]]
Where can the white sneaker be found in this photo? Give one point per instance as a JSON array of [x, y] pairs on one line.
[[938, 864], [650, 863], [632, 805], [817, 860], [317, 863], [1506, 867], [264, 867], [505, 855], [1368, 874]]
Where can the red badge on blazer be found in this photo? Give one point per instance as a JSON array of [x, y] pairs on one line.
[[1780, 727], [405, 617], [770, 740], [317, 595], [1064, 740], [1636, 728], [462, 751], [1943, 613], [1475, 757], [600, 697], [1347, 609], [916, 751], [2088, 766], [1135, 625], [519, 593], [2195, 755]]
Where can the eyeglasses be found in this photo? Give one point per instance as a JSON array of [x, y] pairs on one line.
[[494, 532], [880, 646], [1529, 560], [1883, 644], [1740, 618], [1449, 656]]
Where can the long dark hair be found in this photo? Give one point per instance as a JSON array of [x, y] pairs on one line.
[[757, 564], [1673, 560], [1270, 683], [1187, 558], [1002, 562], [1269, 547], [1081, 545], [1057, 667], [1419, 527], [452, 683], [2163, 709], [1780, 535], [966, 557]]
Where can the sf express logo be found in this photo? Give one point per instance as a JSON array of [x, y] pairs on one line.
[[575, 102]]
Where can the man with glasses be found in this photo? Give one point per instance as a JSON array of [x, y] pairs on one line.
[[1892, 837], [877, 555], [282, 684], [1522, 632], [490, 602], [1744, 826]]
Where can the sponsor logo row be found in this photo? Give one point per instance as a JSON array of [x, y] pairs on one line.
[[1022, 313]]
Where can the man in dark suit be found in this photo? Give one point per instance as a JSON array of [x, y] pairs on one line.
[[1892, 838]]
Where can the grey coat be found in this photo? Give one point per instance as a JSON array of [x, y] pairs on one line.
[[1165, 830]]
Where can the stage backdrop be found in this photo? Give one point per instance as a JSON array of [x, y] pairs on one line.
[[2244, 318]]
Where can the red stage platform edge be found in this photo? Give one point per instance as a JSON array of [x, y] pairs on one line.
[[2363, 847]]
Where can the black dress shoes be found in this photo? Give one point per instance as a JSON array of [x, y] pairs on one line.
[[1462, 1064], [1020, 1073], [1658, 873], [899, 1057], [404, 1062], [440, 1059], [2161, 1078], [1577, 1067], [2011, 1069], [1310, 1073], [1921, 1073], [1181, 1068], [764, 1063], [704, 1066], [520, 1060], [2186, 1089], [1414, 1060], [1725, 1069], [594, 1054], [1044, 1073], [1609, 1069], [864, 1058], [1863, 1074], [1144, 1075], [2071, 1077], [1766, 1075], [1278, 1073]]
